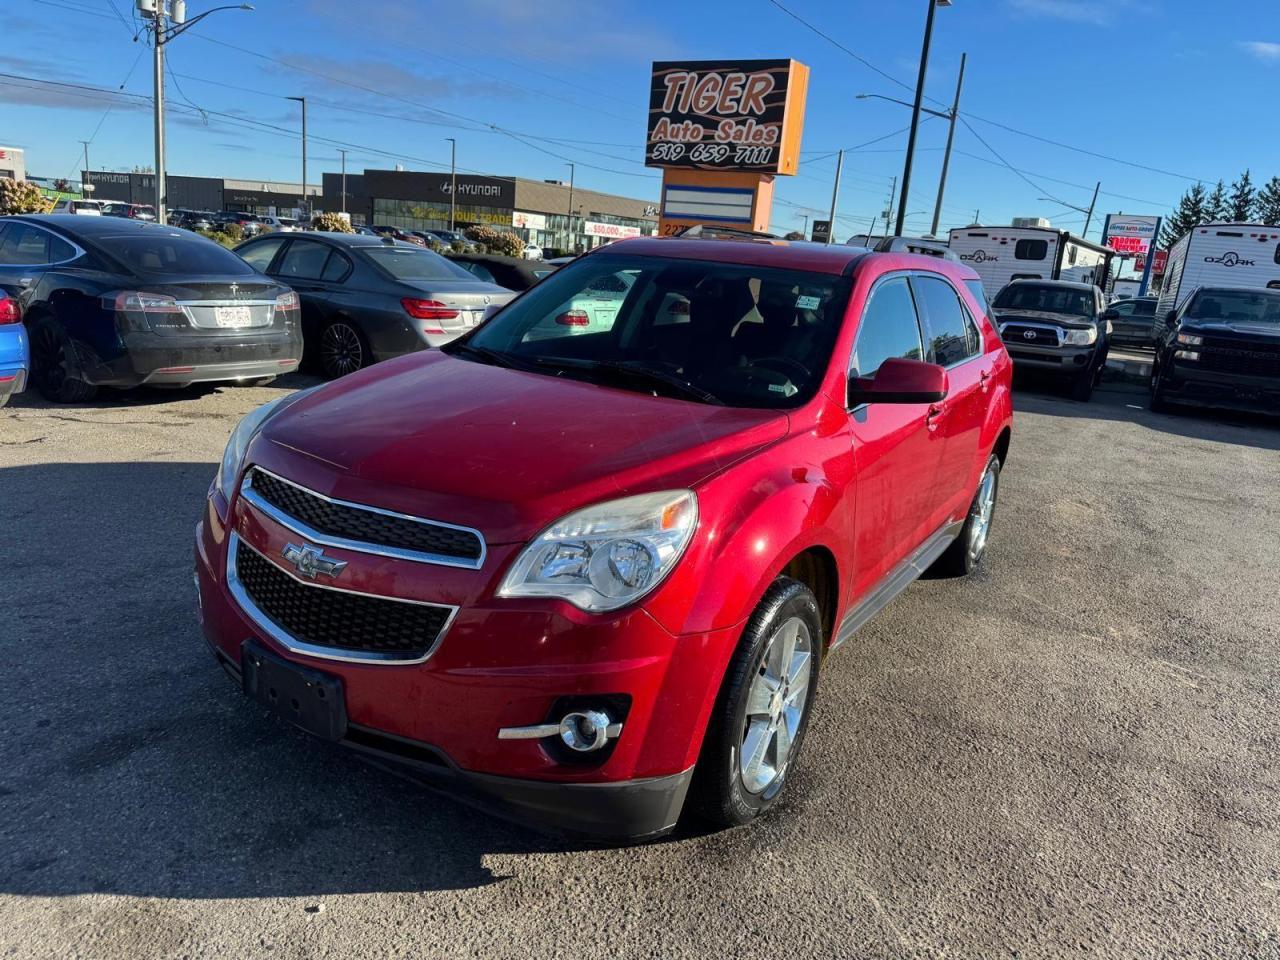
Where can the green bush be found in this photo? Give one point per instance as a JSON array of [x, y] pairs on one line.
[[496, 241], [331, 222], [458, 246], [233, 232], [22, 196], [221, 239]]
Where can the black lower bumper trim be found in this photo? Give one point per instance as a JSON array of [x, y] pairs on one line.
[[627, 811]]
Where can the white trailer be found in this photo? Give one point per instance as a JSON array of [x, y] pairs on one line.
[[1001, 254], [1220, 255]]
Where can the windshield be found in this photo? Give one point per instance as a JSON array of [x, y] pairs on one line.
[[160, 252], [1234, 306], [746, 336], [415, 263], [1050, 299]]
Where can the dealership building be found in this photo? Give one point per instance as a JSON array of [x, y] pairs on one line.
[[549, 213]]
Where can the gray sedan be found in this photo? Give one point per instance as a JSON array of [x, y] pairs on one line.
[[366, 299]]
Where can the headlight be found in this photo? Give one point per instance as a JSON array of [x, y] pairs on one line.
[[608, 555], [245, 431], [1190, 339], [1079, 338]]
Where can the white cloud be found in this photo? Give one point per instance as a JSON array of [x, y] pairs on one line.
[[1263, 49]]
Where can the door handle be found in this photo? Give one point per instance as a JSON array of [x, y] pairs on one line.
[[983, 377], [931, 417]]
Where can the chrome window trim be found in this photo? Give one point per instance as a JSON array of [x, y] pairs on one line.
[[359, 546], [294, 645]]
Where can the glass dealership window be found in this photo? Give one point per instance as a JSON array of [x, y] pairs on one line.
[[432, 215]]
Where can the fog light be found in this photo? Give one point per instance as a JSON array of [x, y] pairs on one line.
[[585, 731], [1080, 360], [1186, 355]]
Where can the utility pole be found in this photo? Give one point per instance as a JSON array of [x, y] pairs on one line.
[[1088, 217], [805, 228], [835, 195], [86, 159], [977, 215], [453, 182], [167, 25], [946, 156], [888, 211], [306, 206], [915, 113], [344, 179], [158, 58], [572, 246]]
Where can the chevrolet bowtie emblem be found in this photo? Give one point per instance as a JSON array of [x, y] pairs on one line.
[[310, 562]]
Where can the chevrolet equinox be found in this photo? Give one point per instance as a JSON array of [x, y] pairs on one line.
[[583, 578]]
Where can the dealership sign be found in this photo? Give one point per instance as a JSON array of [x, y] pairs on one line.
[[528, 221], [1132, 235], [1162, 257], [612, 231], [727, 115]]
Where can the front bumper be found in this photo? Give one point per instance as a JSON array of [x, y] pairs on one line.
[[1187, 382], [1070, 361], [508, 664], [179, 361]]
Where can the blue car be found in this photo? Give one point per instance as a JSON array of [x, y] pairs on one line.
[[15, 355]]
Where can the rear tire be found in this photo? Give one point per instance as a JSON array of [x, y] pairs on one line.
[[762, 712], [342, 349], [54, 367], [966, 551]]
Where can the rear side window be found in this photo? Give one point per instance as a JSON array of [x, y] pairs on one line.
[[889, 328], [304, 260], [30, 245], [1031, 249], [952, 336], [980, 295], [336, 270], [480, 270], [415, 263]]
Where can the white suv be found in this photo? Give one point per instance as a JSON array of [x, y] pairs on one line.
[[91, 208]]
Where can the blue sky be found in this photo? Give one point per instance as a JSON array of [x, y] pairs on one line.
[[1108, 76]]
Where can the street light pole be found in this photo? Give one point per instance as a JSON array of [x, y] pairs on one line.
[[572, 245], [305, 205], [453, 183], [915, 112], [344, 179], [162, 32], [946, 156]]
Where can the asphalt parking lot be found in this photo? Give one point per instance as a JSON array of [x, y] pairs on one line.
[[1072, 754]]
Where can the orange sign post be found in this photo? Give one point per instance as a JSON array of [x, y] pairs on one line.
[[722, 131]]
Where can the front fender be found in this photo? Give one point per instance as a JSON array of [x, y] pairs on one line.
[[759, 529]]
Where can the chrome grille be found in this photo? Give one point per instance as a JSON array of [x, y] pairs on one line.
[[354, 526]]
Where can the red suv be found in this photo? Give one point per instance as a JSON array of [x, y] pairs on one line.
[[581, 577]]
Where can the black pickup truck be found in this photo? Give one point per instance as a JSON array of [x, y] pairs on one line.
[[1221, 349]]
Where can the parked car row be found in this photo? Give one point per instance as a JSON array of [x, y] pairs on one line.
[[105, 208]]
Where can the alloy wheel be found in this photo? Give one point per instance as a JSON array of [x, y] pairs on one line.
[[49, 358], [341, 351], [775, 706], [984, 505]]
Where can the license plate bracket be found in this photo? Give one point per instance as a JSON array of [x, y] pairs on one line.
[[307, 698]]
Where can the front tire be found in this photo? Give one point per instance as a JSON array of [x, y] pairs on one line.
[[966, 551], [761, 715], [54, 367]]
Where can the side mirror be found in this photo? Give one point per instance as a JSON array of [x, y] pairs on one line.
[[1110, 314], [900, 381], [1171, 318]]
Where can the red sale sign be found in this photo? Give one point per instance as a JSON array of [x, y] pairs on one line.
[[1162, 257]]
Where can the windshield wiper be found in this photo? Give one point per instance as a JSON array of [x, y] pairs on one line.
[[631, 371], [484, 355]]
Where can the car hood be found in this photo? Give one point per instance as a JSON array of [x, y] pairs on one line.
[[502, 450], [1269, 331], [1069, 320]]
